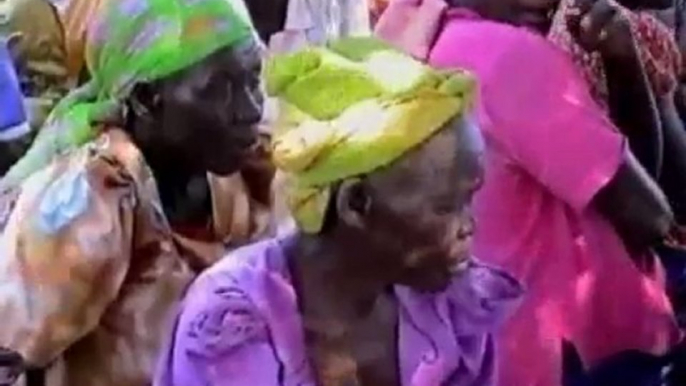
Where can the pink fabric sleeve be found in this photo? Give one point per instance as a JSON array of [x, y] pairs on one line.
[[543, 115]]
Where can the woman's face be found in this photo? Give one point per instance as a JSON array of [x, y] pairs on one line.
[[209, 112], [420, 214]]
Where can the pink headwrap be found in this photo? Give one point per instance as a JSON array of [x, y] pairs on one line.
[[412, 25]]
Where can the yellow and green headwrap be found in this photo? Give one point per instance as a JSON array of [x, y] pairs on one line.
[[350, 108], [130, 42]]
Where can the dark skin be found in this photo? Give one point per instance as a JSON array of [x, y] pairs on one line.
[[599, 26], [269, 16], [631, 102], [673, 111], [202, 119], [673, 177], [532, 14], [647, 4], [655, 134], [407, 224], [631, 201]]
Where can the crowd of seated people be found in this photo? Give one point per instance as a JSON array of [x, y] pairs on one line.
[[342, 192]]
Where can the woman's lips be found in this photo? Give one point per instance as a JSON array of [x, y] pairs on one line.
[[459, 254]]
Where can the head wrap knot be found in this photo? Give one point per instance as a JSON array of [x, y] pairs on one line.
[[351, 108]]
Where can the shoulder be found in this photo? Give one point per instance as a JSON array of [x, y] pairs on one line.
[[486, 46], [261, 258], [221, 311], [76, 187]]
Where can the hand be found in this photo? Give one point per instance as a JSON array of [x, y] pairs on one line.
[[599, 25]]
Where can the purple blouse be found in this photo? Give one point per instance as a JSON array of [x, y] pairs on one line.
[[239, 325]]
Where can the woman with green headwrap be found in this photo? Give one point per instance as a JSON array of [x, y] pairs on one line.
[[377, 287], [99, 235]]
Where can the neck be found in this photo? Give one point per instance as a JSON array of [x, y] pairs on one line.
[[474, 5], [166, 166], [337, 275], [172, 175]]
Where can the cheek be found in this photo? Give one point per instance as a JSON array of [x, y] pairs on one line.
[[175, 126], [417, 229]]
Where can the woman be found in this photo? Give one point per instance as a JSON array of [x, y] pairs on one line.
[[94, 262], [376, 288], [565, 206]]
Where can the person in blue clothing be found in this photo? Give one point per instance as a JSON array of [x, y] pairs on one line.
[[14, 123], [13, 120]]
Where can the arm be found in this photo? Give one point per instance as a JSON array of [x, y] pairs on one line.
[[646, 4], [633, 109], [610, 30], [565, 141], [636, 207], [66, 251], [673, 176]]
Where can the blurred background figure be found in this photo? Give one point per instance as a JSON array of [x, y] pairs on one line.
[[33, 33], [13, 120], [76, 15]]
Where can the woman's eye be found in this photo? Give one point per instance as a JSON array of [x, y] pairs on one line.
[[447, 207], [216, 88]]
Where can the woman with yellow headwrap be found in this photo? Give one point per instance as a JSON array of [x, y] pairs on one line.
[[95, 256], [377, 286]]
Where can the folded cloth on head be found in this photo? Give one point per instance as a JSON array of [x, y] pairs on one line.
[[350, 108]]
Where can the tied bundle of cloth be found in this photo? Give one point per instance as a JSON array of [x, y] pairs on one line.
[[350, 108]]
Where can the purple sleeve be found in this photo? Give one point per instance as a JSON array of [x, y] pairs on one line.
[[480, 301], [544, 118], [219, 340]]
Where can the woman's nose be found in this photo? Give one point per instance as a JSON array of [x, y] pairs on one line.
[[249, 106]]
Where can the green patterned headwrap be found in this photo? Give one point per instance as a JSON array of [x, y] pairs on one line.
[[132, 41], [349, 109]]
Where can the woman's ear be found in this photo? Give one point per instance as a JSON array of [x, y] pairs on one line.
[[141, 109], [144, 100], [353, 203]]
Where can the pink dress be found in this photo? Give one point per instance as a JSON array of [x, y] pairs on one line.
[[550, 149]]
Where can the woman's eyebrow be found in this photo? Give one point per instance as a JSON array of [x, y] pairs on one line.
[[240, 63]]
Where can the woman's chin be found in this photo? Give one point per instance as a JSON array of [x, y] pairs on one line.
[[225, 168], [430, 283]]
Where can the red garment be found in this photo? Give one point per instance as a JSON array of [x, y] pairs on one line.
[[657, 49]]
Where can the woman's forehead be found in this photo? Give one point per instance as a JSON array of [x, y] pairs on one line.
[[245, 57], [422, 166], [439, 159], [236, 62]]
